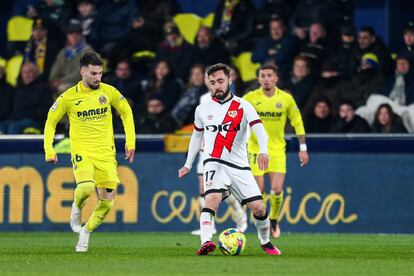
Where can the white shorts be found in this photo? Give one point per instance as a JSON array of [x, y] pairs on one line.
[[220, 177], [201, 157]]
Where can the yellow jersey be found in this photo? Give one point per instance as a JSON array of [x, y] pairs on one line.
[[90, 117], [273, 111]]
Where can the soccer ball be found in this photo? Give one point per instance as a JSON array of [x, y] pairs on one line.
[[232, 242]]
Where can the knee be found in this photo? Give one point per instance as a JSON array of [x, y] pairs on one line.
[[259, 210], [86, 189], [105, 205]]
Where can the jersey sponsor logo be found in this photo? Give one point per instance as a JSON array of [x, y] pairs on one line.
[[102, 100], [92, 114], [54, 106], [227, 127], [221, 141], [269, 114]]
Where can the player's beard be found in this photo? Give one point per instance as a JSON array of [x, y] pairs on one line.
[[222, 96], [94, 85]]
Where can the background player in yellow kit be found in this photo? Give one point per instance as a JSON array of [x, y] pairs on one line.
[[274, 106], [88, 105]]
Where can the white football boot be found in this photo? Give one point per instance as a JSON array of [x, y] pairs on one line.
[[83, 241], [75, 218]]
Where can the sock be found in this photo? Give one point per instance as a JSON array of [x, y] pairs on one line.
[[263, 228], [99, 213], [206, 224], [276, 202], [202, 200], [238, 210], [82, 192]]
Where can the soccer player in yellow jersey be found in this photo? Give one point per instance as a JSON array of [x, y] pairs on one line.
[[88, 105], [274, 106]]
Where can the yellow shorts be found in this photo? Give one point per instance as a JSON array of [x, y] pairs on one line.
[[277, 163], [101, 171]]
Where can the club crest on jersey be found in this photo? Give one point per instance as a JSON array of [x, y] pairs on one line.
[[102, 100], [232, 113], [278, 105]]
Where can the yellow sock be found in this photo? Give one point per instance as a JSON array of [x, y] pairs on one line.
[[82, 192], [99, 214], [276, 202]]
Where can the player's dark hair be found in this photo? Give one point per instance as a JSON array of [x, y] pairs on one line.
[[268, 67], [90, 58], [349, 103], [218, 67]]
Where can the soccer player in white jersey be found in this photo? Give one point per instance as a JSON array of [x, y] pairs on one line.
[[223, 122]]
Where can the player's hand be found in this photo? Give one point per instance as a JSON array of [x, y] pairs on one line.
[[303, 158], [129, 154], [183, 172], [263, 161], [52, 160]]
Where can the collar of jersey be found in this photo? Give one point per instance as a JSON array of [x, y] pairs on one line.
[[276, 92], [220, 102], [83, 89]]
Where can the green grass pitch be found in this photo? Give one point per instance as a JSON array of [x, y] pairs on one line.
[[174, 253]]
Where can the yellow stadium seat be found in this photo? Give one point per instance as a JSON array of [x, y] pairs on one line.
[[3, 62], [208, 20], [188, 24], [247, 68], [13, 69], [19, 28], [143, 55]]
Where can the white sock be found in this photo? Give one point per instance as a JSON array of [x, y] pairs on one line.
[[263, 228], [202, 201], [206, 225]]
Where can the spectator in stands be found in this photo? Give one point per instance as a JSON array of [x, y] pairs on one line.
[[321, 119], [114, 20], [400, 86], [278, 47], [316, 49], [175, 50], [208, 50], [233, 23], [349, 122], [156, 120], [6, 96], [369, 80], [346, 57], [125, 81], [41, 49], [369, 42], [386, 121], [65, 70], [408, 49], [301, 84], [87, 16], [57, 12], [183, 112], [31, 102], [164, 84]]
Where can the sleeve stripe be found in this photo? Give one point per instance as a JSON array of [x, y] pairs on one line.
[[252, 123], [197, 128]]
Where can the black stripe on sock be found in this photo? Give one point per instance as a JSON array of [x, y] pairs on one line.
[[208, 210], [261, 218]]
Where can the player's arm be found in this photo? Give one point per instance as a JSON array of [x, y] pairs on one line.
[[194, 147], [297, 122], [56, 113], [257, 127], [121, 105]]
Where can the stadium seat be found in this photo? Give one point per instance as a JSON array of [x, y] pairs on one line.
[[31, 130], [188, 24], [143, 55], [13, 69], [19, 28], [208, 20], [247, 68], [3, 62]]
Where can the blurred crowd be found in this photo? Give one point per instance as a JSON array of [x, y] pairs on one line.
[[344, 80]]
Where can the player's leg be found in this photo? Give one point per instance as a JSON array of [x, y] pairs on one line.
[[202, 203], [239, 212], [213, 200], [106, 194], [83, 171], [276, 200]]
